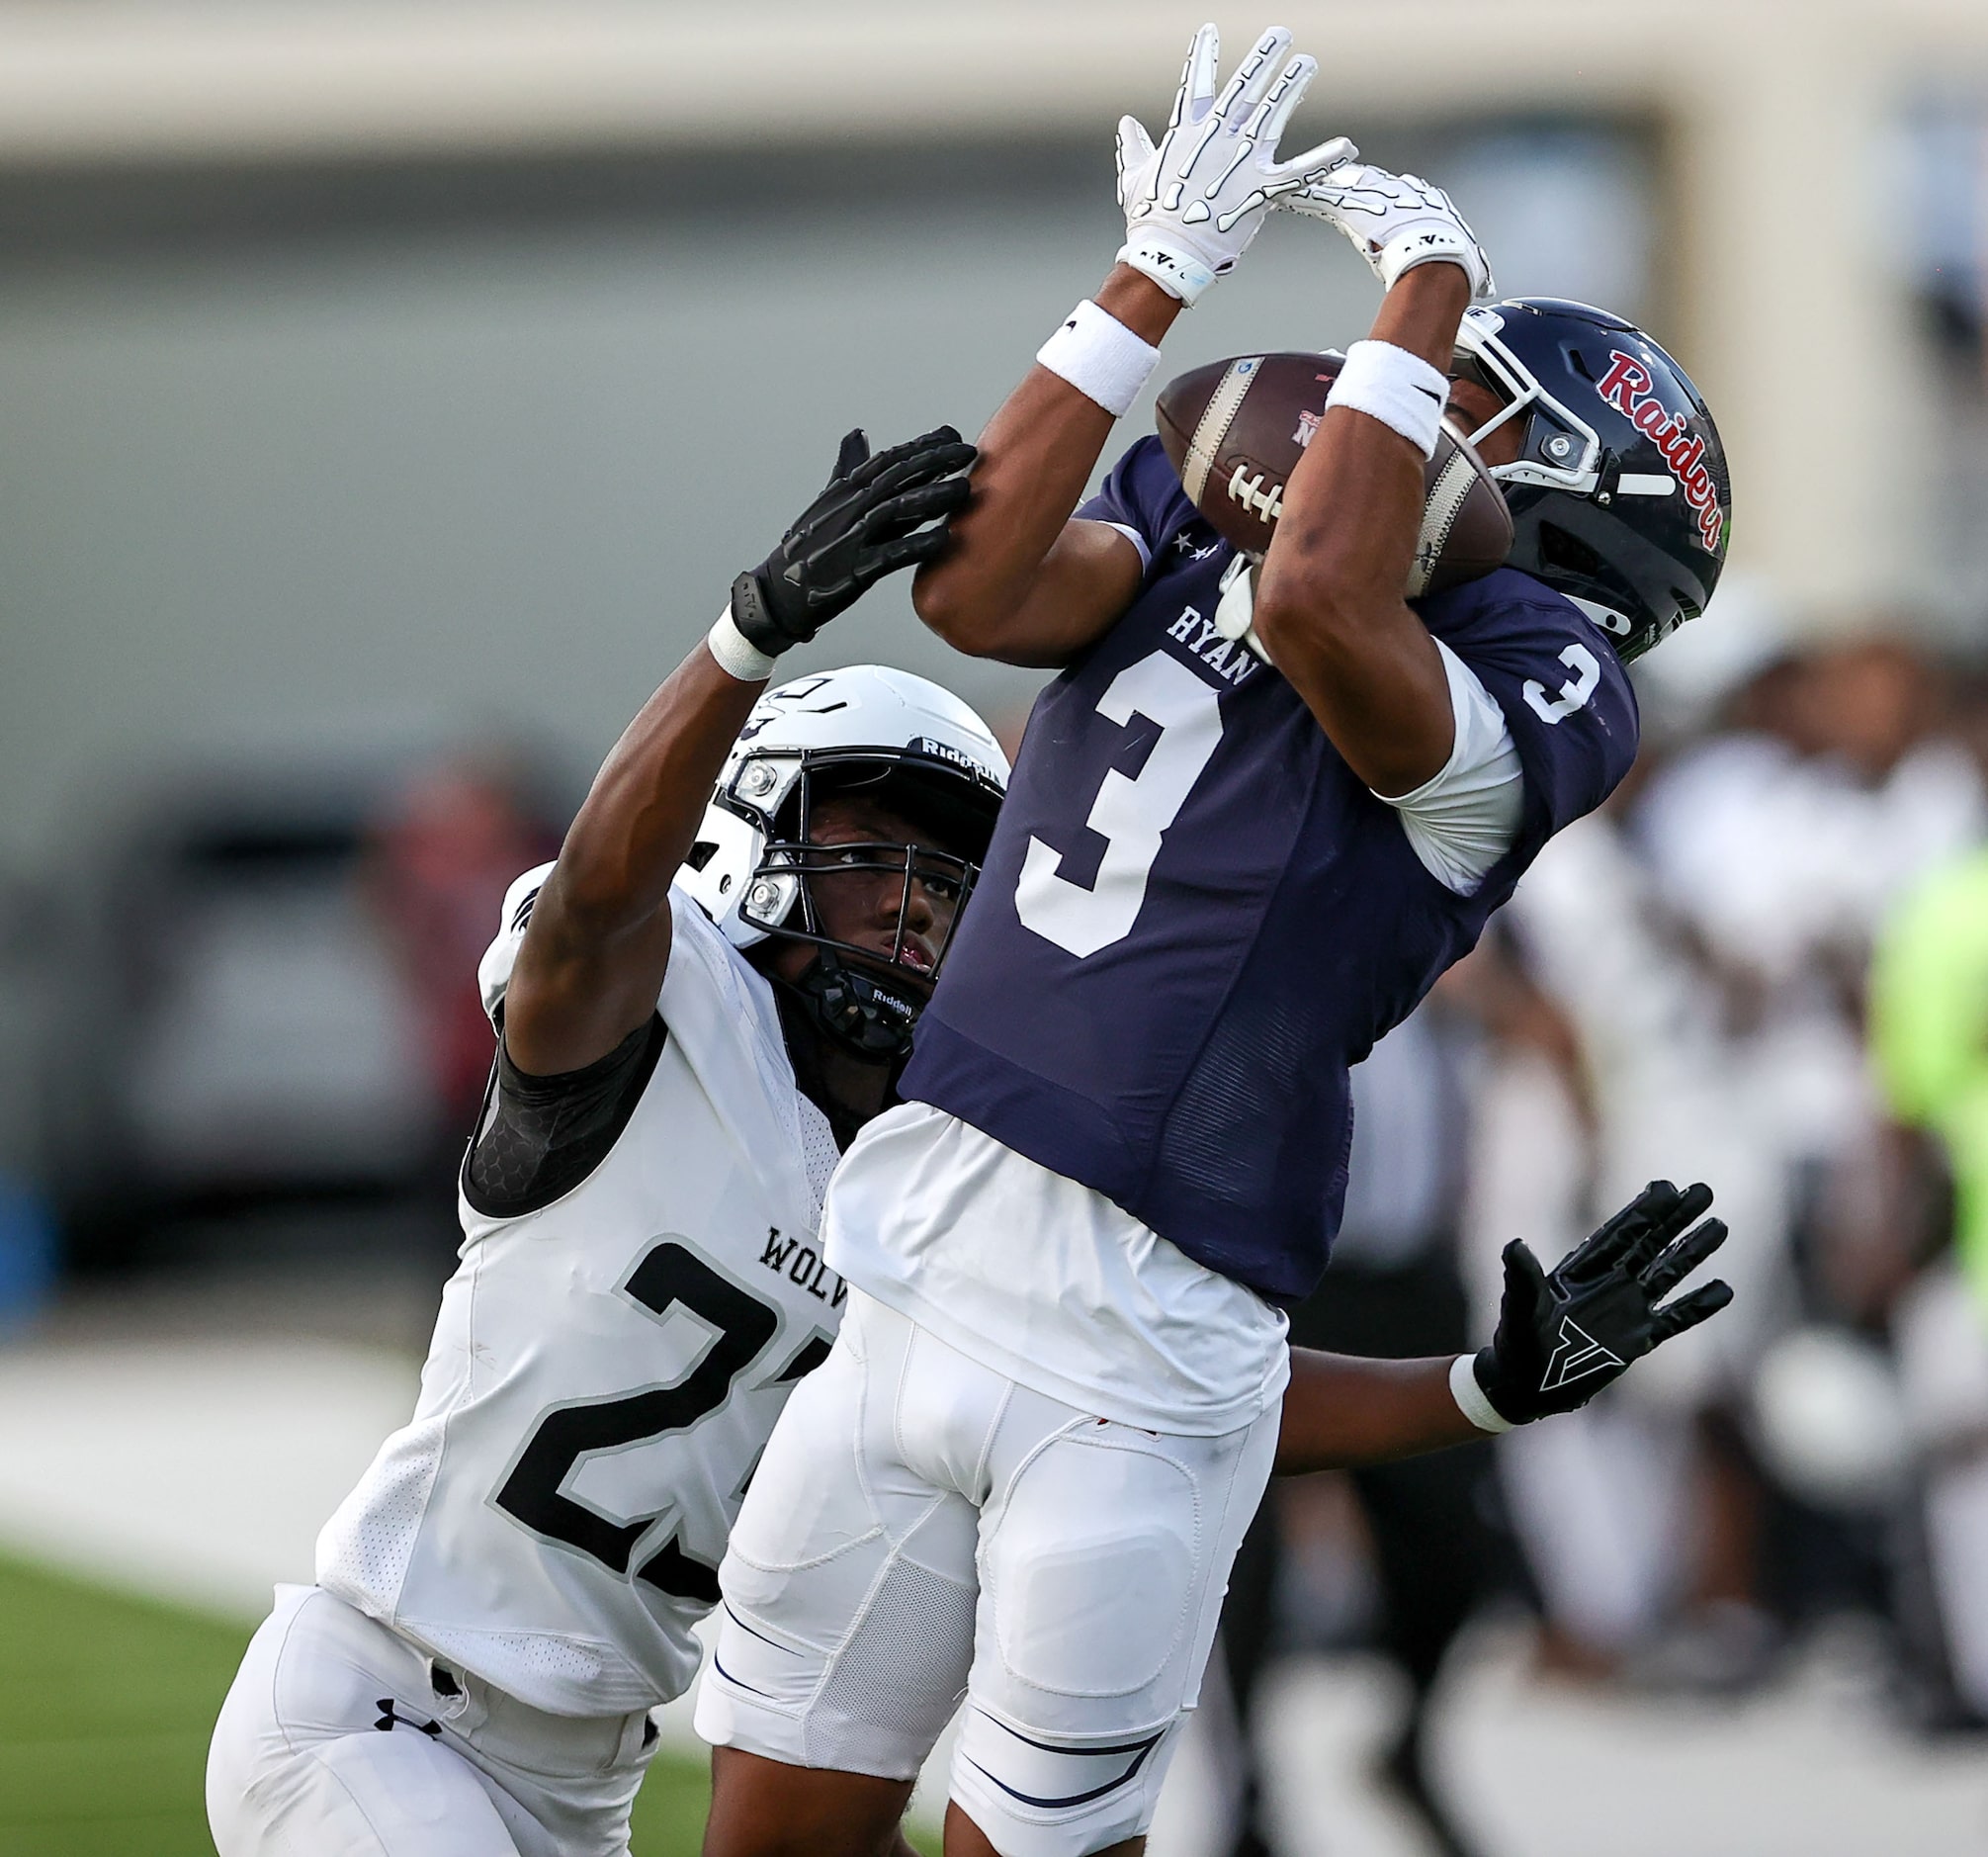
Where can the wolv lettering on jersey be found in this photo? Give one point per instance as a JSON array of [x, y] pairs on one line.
[[604, 1375], [1195, 918]]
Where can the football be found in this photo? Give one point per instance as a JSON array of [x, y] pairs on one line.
[[1235, 429]]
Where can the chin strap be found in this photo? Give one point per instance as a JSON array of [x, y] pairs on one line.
[[809, 1019], [857, 1012]]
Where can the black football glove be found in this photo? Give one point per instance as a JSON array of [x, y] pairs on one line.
[[868, 522], [1562, 1337]]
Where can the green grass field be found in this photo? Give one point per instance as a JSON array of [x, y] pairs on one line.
[[106, 1701]]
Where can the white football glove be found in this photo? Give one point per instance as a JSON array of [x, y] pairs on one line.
[[1193, 204], [1396, 222]]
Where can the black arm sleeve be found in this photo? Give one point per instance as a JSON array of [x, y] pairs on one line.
[[539, 1138]]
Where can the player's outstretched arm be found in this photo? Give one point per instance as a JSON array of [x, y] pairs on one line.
[[1341, 1411], [594, 955], [1562, 1336], [1329, 605], [1022, 581]]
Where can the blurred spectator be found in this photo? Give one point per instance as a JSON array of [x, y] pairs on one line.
[[1928, 1027], [1780, 838], [1930, 1034], [437, 865], [1708, 939], [1609, 1503]]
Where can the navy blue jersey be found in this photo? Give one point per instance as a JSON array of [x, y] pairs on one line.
[[1195, 918]]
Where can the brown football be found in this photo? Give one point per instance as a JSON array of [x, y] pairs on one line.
[[1235, 429]]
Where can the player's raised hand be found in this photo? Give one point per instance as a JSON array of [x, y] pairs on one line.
[[1396, 222], [1562, 1336], [1193, 204], [879, 513]]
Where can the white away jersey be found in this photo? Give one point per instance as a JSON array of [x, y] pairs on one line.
[[606, 1370]]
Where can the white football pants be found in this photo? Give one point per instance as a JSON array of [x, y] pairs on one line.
[[340, 1739], [922, 1527]]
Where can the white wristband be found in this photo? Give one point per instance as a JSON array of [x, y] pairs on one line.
[[1400, 390], [737, 656], [1470, 1399], [1100, 357]]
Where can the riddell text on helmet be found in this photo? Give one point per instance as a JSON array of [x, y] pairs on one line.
[[1627, 388]]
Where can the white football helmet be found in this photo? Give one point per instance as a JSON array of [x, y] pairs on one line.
[[864, 729]]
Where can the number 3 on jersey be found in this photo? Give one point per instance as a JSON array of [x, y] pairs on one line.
[[1574, 693], [1131, 813]]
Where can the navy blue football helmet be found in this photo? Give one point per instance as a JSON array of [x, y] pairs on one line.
[[1620, 495]]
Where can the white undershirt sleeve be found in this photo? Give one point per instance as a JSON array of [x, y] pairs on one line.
[[1133, 536], [1463, 820]]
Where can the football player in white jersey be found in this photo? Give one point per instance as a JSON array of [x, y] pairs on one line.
[[511, 1587]]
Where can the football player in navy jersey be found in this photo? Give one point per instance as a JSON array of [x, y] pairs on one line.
[[1249, 827]]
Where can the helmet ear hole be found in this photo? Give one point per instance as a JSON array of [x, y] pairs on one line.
[[701, 854]]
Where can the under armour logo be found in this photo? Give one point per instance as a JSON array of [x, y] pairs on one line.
[[388, 1720], [1578, 1355]]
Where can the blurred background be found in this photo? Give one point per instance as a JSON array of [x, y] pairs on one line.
[[390, 395]]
